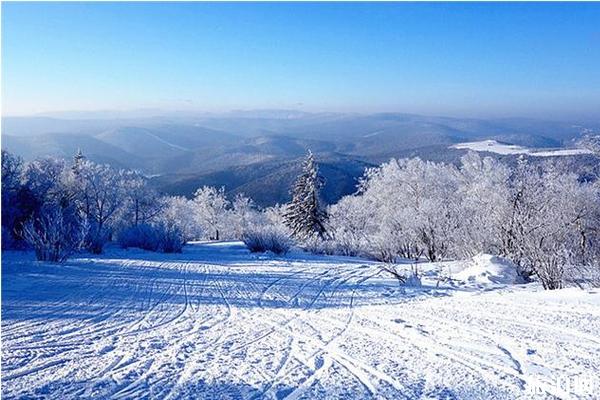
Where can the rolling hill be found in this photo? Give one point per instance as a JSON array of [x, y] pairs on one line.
[[257, 152]]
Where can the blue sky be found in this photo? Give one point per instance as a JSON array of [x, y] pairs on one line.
[[516, 59]]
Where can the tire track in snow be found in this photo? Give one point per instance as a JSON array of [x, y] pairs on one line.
[[127, 389], [288, 353], [513, 350], [326, 351], [307, 320]]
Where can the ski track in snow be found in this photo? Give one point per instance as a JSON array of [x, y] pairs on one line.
[[218, 322]]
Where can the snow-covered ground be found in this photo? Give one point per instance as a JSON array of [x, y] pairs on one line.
[[219, 322], [493, 146]]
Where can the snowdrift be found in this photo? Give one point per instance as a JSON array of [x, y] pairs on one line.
[[487, 269]]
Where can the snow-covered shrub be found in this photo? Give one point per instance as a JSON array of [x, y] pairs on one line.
[[14, 205], [267, 238], [97, 237], [317, 245], [167, 238], [170, 238], [143, 236], [55, 235], [175, 224]]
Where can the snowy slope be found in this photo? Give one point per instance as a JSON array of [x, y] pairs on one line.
[[488, 270], [493, 146], [219, 322]]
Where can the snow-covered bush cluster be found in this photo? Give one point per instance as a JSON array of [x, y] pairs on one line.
[[58, 208], [152, 237], [267, 238], [55, 235], [543, 219]]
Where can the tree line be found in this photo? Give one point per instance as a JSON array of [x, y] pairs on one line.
[[539, 216], [59, 208]]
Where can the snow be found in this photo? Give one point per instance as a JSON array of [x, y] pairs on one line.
[[375, 133], [163, 141], [489, 270], [563, 152], [219, 322], [493, 146]]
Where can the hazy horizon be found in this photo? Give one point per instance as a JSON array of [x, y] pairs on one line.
[[460, 60], [149, 113]]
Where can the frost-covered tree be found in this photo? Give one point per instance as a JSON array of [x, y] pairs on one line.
[[180, 211], [12, 168], [484, 199], [167, 231], [100, 195], [54, 227], [14, 212], [590, 142], [350, 225], [549, 222], [137, 222], [78, 160], [142, 203], [409, 209], [304, 215], [211, 209], [47, 180], [274, 215], [242, 216]]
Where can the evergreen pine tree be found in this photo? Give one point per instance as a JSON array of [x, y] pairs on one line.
[[78, 160], [304, 215]]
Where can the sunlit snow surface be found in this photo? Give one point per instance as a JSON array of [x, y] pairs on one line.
[[219, 322], [493, 146]]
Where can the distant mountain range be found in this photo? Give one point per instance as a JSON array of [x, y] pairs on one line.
[[258, 152]]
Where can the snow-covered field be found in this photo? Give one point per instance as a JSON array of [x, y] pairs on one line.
[[493, 146], [219, 322]]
